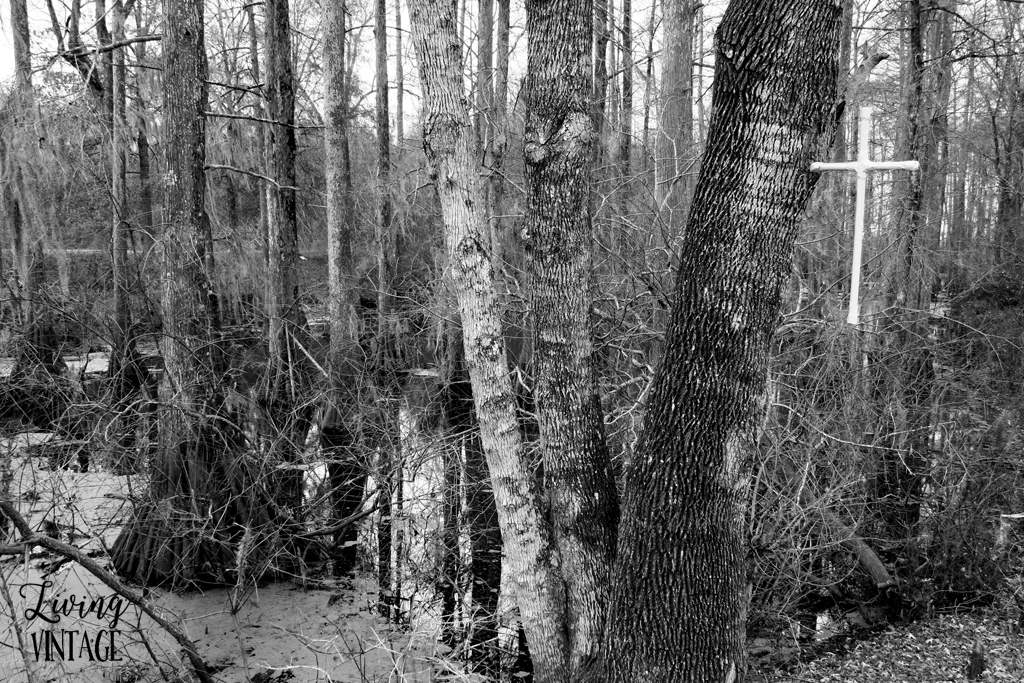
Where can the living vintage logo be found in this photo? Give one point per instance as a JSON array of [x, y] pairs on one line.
[[50, 643]]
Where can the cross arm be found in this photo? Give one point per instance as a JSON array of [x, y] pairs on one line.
[[862, 167], [835, 166]]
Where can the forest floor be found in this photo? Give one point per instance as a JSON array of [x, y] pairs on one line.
[[282, 631], [318, 630], [932, 650]]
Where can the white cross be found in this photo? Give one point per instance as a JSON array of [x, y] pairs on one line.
[[862, 165]]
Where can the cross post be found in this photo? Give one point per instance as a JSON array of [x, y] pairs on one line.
[[862, 165]]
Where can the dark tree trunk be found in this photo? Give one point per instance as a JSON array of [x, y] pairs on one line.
[[37, 356], [18, 108], [680, 588], [145, 219], [500, 141], [626, 128], [385, 355], [284, 401], [161, 544], [16, 212], [105, 64], [904, 379], [338, 438], [123, 369], [481, 513], [399, 82], [452, 406], [578, 477], [597, 100]]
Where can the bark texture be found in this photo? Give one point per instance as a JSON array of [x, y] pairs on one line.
[[337, 430], [578, 478], [145, 215], [283, 395], [905, 378], [388, 389], [162, 543], [680, 597], [453, 156], [499, 229]]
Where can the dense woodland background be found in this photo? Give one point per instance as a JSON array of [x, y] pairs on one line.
[[296, 361]]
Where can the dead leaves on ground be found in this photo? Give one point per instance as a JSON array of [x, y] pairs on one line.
[[934, 650]]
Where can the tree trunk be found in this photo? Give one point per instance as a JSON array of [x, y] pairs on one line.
[[22, 46], [677, 152], [385, 366], [453, 398], [145, 220], [399, 81], [127, 379], [500, 140], [1010, 164], [17, 108], [454, 161], [36, 356], [288, 417], [680, 591], [105, 64], [262, 138], [119, 193], [626, 120], [901, 466], [482, 517], [597, 101], [577, 469], [648, 96], [485, 99], [611, 92], [337, 436], [161, 544]]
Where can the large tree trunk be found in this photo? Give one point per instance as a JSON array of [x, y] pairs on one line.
[[10, 202], [680, 591], [337, 437], [453, 156], [161, 543], [37, 357], [578, 478]]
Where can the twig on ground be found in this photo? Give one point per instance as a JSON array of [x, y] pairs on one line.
[[31, 538], [30, 672]]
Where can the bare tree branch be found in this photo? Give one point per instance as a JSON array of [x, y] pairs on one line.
[[30, 538]]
